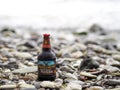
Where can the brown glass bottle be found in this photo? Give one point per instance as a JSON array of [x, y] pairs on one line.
[[46, 61]]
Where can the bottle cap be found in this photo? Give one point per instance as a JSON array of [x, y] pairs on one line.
[[46, 35]]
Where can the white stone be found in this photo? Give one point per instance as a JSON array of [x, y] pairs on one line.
[[8, 86], [114, 89], [116, 57], [26, 70], [87, 74], [49, 84], [73, 86], [30, 64], [27, 86], [95, 88], [77, 54], [71, 76]]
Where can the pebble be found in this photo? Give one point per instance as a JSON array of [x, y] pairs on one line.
[[73, 86], [49, 84], [95, 88], [109, 68], [112, 82], [116, 57], [23, 55], [114, 89], [26, 70], [71, 76], [67, 69], [118, 46], [30, 44], [88, 74], [77, 54], [88, 63], [8, 86], [28, 86], [96, 28]]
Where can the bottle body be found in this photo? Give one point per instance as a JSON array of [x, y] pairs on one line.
[[46, 65]]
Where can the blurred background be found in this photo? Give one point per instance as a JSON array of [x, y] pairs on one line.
[[60, 13]]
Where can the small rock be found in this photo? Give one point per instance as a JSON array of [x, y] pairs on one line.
[[109, 68], [71, 76], [27, 86], [59, 62], [114, 89], [29, 63], [116, 57], [96, 28], [95, 88], [30, 44], [23, 55], [8, 87], [66, 68], [73, 86], [77, 54], [49, 84], [97, 48], [88, 63], [112, 82], [6, 29], [118, 46], [26, 70], [36, 84], [87, 74]]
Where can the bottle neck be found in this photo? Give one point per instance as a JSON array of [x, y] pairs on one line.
[[46, 44]]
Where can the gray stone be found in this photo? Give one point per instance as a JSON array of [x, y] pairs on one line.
[[26, 70], [23, 55]]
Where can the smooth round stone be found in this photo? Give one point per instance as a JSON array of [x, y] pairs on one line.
[[73, 86], [30, 44], [66, 68], [118, 46], [116, 57], [36, 84], [77, 54], [71, 76], [23, 55], [88, 63], [87, 74], [29, 63], [96, 28], [49, 84], [95, 88]]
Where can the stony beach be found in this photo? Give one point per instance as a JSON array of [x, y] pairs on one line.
[[86, 59]]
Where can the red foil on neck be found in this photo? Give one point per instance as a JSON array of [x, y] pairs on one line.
[[46, 43]]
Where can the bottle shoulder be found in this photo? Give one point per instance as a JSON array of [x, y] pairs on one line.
[[47, 55]]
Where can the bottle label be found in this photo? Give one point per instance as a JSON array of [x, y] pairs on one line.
[[47, 67]]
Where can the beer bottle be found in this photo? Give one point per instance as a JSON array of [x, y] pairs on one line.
[[46, 61]]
